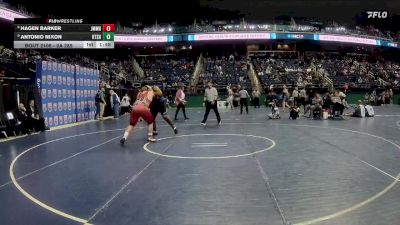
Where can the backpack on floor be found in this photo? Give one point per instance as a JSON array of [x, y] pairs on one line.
[[293, 114]]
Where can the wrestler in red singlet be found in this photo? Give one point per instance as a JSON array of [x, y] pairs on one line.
[[141, 109]]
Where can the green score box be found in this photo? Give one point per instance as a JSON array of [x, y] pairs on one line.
[[108, 36]]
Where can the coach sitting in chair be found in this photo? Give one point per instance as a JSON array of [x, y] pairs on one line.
[[36, 122], [22, 117]]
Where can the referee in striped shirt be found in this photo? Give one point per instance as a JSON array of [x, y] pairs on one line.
[[210, 99]]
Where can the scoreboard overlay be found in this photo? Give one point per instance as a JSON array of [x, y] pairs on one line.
[[62, 34]]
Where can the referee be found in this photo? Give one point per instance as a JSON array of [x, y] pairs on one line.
[[210, 99], [244, 95]]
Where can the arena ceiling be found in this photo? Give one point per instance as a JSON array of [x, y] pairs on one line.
[[185, 11]]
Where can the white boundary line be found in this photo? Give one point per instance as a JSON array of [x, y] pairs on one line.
[[35, 200], [134, 177], [145, 147]]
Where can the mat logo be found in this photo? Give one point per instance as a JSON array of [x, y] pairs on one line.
[[50, 107], [55, 107], [44, 107], [51, 121], [44, 93], [54, 93], [59, 93], [48, 66], [64, 79], [380, 14], [59, 80], [44, 65], [59, 106], [54, 66], [65, 107], [55, 120]]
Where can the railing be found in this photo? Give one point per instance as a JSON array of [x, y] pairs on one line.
[[199, 68]]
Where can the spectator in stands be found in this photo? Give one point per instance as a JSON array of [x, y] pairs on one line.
[[210, 99], [180, 101], [390, 93], [115, 103], [274, 111], [26, 126], [302, 98], [316, 104], [256, 98], [244, 95], [34, 119], [125, 104]]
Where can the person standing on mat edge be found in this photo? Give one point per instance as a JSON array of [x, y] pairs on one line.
[[141, 109], [243, 99], [102, 103], [115, 103], [125, 104], [256, 98], [210, 99], [180, 102]]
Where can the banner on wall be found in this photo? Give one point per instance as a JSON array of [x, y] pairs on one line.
[[58, 86], [86, 84]]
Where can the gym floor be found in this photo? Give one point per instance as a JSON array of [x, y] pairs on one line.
[[248, 171]]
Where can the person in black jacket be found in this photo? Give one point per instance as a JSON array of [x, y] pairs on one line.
[[22, 117], [33, 117]]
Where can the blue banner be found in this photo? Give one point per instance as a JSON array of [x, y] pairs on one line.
[[58, 85]]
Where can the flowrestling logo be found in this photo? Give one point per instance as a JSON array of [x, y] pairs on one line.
[[50, 106], [44, 93], [377, 14]]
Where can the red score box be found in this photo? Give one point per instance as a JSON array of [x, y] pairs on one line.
[[108, 27]]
